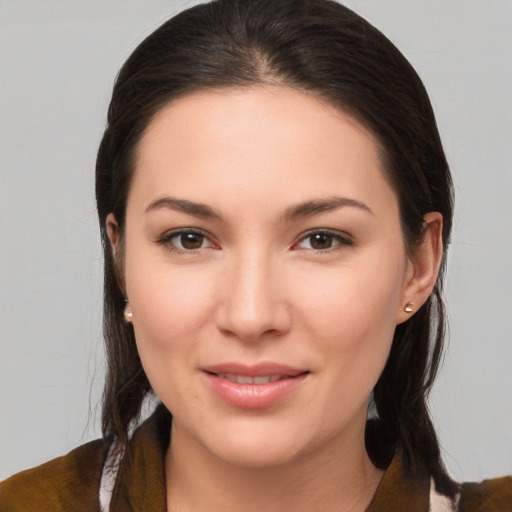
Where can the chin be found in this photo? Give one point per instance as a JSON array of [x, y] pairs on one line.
[[250, 442], [260, 443], [256, 455]]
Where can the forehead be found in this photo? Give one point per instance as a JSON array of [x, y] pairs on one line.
[[252, 111], [265, 139]]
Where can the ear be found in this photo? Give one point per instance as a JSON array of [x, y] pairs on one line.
[[423, 267], [114, 237], [113, 233]]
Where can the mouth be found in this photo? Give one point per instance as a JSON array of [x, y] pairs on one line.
[[254, 387], [248, 379]]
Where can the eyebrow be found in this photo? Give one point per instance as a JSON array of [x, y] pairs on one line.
[[314, 207], [295, 212], [185, 206]]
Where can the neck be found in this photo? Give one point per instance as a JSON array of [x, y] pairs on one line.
[[337, 476]]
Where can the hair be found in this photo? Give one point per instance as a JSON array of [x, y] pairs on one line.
[[322, 48]]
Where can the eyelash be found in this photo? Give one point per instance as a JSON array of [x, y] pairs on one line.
[[343, 240], [166, 240]]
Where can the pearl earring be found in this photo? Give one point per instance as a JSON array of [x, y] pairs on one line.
[[128, 314], [408, 308]]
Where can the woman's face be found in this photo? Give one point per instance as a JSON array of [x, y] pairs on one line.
[[266, 270]]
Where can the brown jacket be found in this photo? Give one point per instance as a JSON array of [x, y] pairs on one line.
[[72, 482]]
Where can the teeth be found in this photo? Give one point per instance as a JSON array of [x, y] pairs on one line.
[[245, 379], [261, 380], [227, 376]]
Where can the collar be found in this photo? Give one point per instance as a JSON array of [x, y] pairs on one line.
[[140, 483], [399, 489]]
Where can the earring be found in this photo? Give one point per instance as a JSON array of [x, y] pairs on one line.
[[408, 307], [128, 314]]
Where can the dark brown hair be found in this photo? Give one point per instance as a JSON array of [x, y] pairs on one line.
[[323, 48]]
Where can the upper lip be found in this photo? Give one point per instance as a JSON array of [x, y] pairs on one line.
[[255, 370]]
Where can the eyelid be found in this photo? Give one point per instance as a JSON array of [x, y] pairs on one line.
[[165, 239], [342, 237]]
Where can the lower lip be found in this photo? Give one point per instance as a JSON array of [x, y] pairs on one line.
[[254, 396]]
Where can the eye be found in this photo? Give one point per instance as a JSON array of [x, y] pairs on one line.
[[323, 241], [185, 240]]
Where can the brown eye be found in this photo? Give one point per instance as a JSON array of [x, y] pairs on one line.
[[185, 240], [191, 240], [324, 241], [321, 241]]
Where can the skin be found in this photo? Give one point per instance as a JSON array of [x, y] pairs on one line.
[[258, 287]]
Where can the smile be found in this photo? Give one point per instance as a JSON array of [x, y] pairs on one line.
[[254, 387], [246, 379]]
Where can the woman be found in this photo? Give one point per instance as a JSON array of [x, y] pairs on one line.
[[275, 207]]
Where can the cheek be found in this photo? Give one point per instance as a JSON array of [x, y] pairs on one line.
[[170, 311], [351, 313], [170, 300], [354, 300], [170, 304]]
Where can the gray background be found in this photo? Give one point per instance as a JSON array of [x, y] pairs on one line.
[[58, 60]]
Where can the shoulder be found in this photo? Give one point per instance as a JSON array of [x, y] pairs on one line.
[[58, 484], [488, 496]]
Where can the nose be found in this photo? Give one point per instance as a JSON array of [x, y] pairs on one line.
[[253, 305]]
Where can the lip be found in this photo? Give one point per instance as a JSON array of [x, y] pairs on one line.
[[255, 370], [254, 396]]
